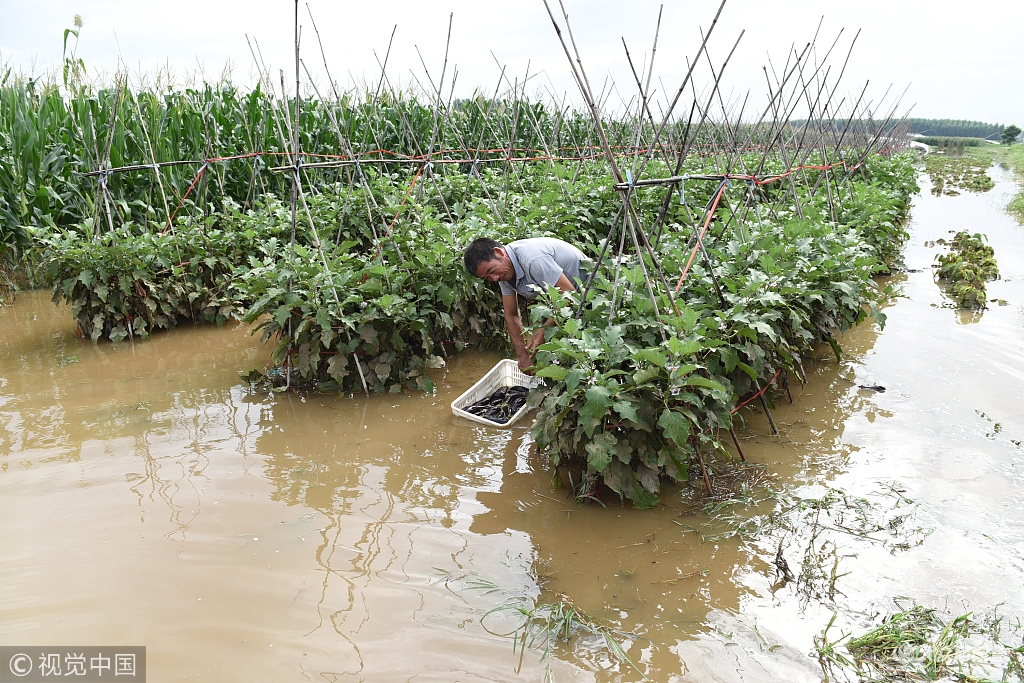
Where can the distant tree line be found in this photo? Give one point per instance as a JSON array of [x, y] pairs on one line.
[[953, 128], [956, 128]]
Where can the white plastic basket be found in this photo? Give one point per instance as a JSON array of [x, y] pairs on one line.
[[505, 374]]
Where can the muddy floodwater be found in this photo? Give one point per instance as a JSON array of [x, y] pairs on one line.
[[149, 497]]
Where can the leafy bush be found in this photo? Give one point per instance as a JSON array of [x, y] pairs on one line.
[[399, 308], [395, 320], [641, 396], [130, 282]]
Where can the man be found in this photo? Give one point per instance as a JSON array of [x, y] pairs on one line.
[[525, 267]]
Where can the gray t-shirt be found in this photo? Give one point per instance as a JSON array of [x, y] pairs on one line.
[[539, 262]]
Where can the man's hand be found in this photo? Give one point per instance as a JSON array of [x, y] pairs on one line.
[[526, 350], [525, 362], [536, 340], [526, 359], [515, 331]]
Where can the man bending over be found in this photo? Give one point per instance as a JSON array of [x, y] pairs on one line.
[[525, 267]]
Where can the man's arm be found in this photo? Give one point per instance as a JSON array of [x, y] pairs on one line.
[[564, 284], [510, 306]]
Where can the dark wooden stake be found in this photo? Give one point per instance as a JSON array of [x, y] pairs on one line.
[[736, 441], [764, 404], [703, 468]]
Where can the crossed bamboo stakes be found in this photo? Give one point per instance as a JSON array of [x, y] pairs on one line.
[[833, 141]]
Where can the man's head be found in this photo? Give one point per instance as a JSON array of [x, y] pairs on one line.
[[487, 259]]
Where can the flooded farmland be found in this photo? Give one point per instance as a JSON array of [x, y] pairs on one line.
[[150, 497]]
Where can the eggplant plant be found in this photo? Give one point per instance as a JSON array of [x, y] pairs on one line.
[[634, 396]]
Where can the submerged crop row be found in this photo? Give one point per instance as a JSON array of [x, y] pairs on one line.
[[632, 394], [636, 394]]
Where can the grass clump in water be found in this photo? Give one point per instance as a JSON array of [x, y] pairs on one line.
[[969, 264], [537, 625], [922, 644], [1009, 157], [541, 626], [1016, 207]]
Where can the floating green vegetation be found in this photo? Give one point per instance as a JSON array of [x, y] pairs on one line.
[[921, 644], [950, 174], [1012, 157], [1016, 207], [536, 625], [965, 269], [542, 626], [810, 537]]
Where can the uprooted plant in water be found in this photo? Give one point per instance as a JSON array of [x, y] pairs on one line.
[[917, 643], [809, 537], [543, 626], [951, 174], [969, 264]]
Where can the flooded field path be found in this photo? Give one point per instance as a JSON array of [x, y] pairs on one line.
[[149, 497]]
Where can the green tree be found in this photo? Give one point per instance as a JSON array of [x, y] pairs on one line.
[[1010, 134]]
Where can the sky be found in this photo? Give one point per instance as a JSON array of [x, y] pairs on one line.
[[952, 61]]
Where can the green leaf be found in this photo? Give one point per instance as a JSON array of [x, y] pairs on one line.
[[698, 381], [747, 369], [836, 349], [282, 314], [651, 355], [600, 451], [729, 359], [598, 402], [573, 379], [682, 371], [368, 334], [645, 375], [555, 372], [765, 329], [688, 317], [675, 426], [626, 410], [681, 348], [323, 318]]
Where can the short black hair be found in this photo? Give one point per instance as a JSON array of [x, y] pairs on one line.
[[479, 251]]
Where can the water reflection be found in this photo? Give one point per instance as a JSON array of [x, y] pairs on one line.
[[403, 514], [368, 537], [395, 480], [968, 317]]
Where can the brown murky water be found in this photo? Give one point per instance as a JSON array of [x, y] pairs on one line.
[[147, 497]]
